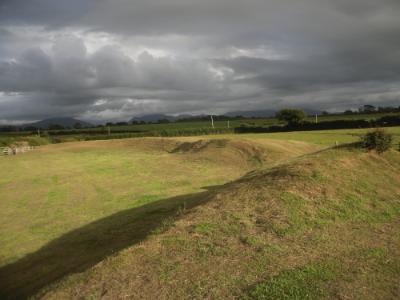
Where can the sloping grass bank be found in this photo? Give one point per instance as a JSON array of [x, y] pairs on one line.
[[66, 207], [326, 225]]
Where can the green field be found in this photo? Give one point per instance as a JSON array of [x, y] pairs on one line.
[[325, 137], [233, 123], [252, 216], [193, 128]]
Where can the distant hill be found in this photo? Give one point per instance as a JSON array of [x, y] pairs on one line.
[[67, 122], [266, 113], [246, 114], [152, 118]]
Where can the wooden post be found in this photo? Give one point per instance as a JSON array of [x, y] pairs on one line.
[[212, 121], [38, 132], [228, 124], [316, 119], [109, 130]]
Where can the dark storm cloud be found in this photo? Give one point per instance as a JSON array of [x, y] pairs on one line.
[[43, 12], [364, 8], [335, 69], [111, 59], [69, 80]]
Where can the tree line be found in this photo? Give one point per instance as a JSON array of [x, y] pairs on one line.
[[295, 120]]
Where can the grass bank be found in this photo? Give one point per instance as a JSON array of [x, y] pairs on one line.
[[252, 216], [294, 231]]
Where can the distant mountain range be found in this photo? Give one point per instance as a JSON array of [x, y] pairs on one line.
[[266, 113], [153, 118], [66, 122]]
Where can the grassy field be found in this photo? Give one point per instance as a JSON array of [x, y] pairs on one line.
[[253, 216], [61, 187], [325, 137], [235, 123], [239, 122], [165, 129]]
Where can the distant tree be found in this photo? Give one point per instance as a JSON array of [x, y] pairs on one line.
[[368, 108], [348, 112], [163, 121], [325, 113], [378, 140], [122, 123], [56, 127], [293, 117], [8, 128], [386, 109], [77, 125], [30, 128]]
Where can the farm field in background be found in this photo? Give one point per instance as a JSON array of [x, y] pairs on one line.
[[238, 122], [325, 137], [194, 127]]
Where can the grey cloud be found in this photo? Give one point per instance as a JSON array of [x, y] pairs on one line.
[[43, 12], [69, 79], [364, 8], [213, 55], [315, 72], [69, 66], [31, 72]]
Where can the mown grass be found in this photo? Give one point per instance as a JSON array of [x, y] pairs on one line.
[[309, 282], [321, 225], [286, 232], [336, 278], [57, 189], [51, 190], [325, 137]]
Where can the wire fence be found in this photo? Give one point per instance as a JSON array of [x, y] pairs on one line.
[[14, 150]]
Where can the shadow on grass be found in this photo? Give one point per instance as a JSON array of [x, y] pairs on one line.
[[82, 248]]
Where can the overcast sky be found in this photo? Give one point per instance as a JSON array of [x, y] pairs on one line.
[[114, 59]]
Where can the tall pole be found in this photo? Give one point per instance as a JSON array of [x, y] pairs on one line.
[[228, 124], [316, 118], [38, 132], [212, 121], [109, 130]]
